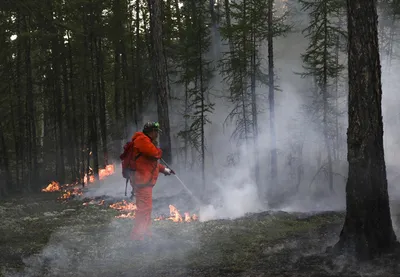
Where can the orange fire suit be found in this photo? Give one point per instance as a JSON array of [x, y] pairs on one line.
[[146, 175]]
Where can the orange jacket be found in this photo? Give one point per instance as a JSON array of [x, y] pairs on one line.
[[147, 165]]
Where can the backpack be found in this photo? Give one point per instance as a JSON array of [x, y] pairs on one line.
[[127, 159]]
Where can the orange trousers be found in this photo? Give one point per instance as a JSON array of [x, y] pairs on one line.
[[144, 204]]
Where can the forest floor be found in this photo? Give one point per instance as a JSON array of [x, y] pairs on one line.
[[40, 236]]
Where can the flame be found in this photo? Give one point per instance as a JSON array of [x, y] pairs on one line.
[[53, 186], [103, 173], [70, 190], [93, 202], [177, 217], [71, 193], [128, 215], [124, 206], [126, 209]]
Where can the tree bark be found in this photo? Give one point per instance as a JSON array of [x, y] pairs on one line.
[[325, 97], [5, 164], [160, 76], [254, 109], [58, 104], [30, 108], [367, 229], [271, 94], [102, 100], [138, 79]]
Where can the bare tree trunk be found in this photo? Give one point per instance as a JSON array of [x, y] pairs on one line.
[[160, 76], [58, 103], [33, 168], [243, 79], [92, 102], [70, 143], [337, 144], [138, 79], [18, 129], [5, 165], [102, 100], [368, 228], [229, 24], [271, 95], [325, 102], [202, 103], [253, 66]]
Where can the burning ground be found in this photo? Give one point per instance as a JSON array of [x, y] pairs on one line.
[[125, 207], [42, 236]]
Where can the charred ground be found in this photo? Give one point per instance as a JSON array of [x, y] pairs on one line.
[[43, 237]]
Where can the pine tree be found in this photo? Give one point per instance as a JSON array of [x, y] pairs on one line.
[[246, 29], [196, 75], [320, 61], [368, 229], [277, 27]]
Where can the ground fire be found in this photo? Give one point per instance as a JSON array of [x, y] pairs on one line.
[[71, 190], [126, 209], [175, 216], [53, 186]]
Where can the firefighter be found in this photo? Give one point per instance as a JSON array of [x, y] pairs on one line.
[[145, 177]]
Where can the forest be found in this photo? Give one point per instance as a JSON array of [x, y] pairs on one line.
[[297, 98], [79, 77]]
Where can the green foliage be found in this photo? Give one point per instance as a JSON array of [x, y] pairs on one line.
[[323, 31], [248, 21], [196, 71], [245, 35], [321, 58], [75, 62]]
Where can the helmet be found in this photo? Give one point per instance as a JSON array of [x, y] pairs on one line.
[[151, 126]]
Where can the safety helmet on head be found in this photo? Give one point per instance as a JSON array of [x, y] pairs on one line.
[[151, 126]]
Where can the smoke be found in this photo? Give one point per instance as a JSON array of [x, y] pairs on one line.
[[230, 186], [88, 249]]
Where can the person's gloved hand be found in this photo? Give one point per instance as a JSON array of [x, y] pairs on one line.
[[168, 171]]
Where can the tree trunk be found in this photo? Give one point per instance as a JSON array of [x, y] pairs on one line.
[[325, 101], [138, 79], [367, 229], [75, 132], [5, 164], [70, 143], [254, 111], [92, 102], [102, 100], [18, 129], [337, 50], [160, 76], [202, 95], [214, 42], [271, 95], [58, 105], [134, 86], [126, 90], [243, 79], [229, 24], [30, 107]]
